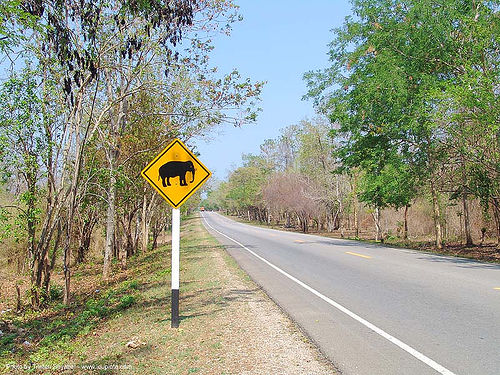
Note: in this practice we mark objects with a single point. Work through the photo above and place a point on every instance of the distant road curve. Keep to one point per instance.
(375, 310)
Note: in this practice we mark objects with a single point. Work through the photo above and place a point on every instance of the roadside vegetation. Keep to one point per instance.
(123, 326)
(406, 145)
(91, 91)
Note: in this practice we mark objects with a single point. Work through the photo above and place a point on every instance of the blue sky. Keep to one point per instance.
(277, 41)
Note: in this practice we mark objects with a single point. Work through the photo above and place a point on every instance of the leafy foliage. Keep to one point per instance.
(412, 88)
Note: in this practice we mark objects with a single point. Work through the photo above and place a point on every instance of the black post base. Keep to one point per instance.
(175, 308)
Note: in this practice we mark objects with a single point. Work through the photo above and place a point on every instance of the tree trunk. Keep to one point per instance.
(157, 228)
(117, 126)
(336, 220)
(85, 238)
(356, 220)
(124, 249)
(110, 228)
(36, 260)
(50, 266)
(405, 229)
(144, 223)
(496, 214)
(79, 145)
(437, 217)
(376, 219)
(468, 236)
(128, 247)
(18, 303)
(155, 241)
(303, 223)
(137, 234)
(66, 266)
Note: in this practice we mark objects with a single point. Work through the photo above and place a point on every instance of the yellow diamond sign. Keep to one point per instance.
(176, 173)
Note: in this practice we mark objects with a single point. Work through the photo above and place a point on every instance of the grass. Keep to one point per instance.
(93, 334)
(46, 337)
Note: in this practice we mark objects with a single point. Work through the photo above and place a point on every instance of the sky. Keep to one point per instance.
(277, 41)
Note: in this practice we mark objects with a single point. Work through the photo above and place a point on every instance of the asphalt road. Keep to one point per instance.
(375, 310)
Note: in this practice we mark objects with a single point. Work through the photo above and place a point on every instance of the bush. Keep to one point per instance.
(128, 285)
(96, 308)
(126, 301)
(55, 292)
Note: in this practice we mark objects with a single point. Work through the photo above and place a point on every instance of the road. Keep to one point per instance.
(375, 310)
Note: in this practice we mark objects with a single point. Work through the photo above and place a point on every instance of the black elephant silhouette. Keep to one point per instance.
(174, 169)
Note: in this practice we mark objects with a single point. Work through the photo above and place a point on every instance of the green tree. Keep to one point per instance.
(14, 18)
(25, 151)
(244, 187)
(391, 64)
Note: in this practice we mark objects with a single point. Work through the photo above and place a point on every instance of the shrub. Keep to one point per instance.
(55, 292)
(127, 301)
(129, 284)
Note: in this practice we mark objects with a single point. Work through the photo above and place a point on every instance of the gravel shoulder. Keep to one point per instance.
(262, 338)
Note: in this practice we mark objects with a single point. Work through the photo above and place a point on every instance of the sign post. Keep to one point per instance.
(168, 173)
(176, 233)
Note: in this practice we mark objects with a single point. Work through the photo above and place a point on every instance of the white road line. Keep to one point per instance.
(421, 357)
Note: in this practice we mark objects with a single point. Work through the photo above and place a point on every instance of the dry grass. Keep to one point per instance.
(228, 325)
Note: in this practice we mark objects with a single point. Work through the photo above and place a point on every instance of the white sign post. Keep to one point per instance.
(176, 233)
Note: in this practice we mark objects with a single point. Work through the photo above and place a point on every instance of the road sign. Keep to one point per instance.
(176, 173)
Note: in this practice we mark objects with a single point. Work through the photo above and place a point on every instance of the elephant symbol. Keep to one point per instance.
(174, 169)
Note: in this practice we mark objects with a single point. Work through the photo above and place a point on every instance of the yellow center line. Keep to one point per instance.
(496, 288)
(358, 255)
(299, 241)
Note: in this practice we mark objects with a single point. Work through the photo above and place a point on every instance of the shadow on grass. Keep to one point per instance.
(195, 250)
(243, 295)
(191, 306)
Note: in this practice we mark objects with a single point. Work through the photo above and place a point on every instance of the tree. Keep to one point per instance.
(390, 67)
(289, 194)
(244, 187)
(281, 152)
(315, 160)
(25, 136)
(93, 59)
(391, 186)
(14, 17)
(469, 106)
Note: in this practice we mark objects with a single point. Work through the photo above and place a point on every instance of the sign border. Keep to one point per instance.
(182, 201)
